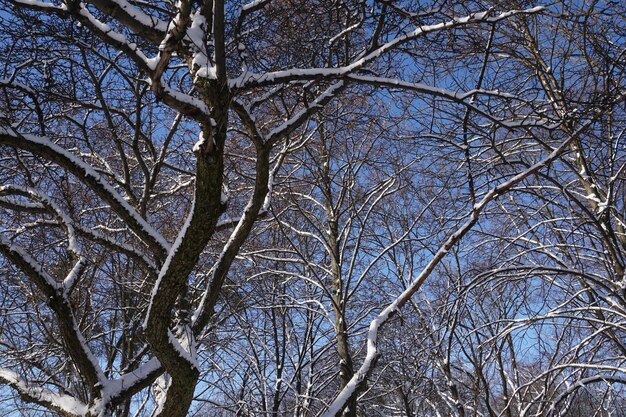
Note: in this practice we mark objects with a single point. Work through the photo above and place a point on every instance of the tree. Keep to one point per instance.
(199, 201)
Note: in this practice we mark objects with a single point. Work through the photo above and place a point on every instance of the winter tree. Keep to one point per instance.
(312, 208)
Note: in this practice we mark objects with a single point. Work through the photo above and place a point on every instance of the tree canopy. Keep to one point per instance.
(312, 208)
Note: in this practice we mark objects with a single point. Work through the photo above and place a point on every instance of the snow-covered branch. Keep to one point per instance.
(44, 147)
(61, 403)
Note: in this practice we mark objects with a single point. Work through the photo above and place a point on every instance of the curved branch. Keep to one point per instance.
(64, 404)
(148, 27)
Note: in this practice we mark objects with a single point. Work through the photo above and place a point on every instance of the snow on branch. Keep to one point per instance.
(35, 194)
(185, 103)
(20, 205)
(137, 20)
(30, 265)
(10, 82)
(248, 80)
(257, 203)
(196, 35)
(113, 38)
(73, 248)
(62, 403)
(44, 147)
(56, 297)
(40, 5)
(147, 26)
(86, 232)
(171, 254)
(130, 250)
(254, 5)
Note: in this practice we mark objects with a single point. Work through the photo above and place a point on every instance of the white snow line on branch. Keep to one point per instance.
(41, 4)
(116, 36)
(65, 403)
(170, 255)
(141, 17)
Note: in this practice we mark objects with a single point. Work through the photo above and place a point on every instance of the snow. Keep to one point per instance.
(63, 289)
(102, 379)
(330, 92)
(226, 219)
(152, 62)
(198, 311)
(510, 13)
(196, 34)
(270, 186)
(343, 32)
(252, 4)
(70, 280)
(184, 98)
(370, 357)
(24, 87)
(593, 198)
(114, 388)
(225, 196)
(189, 355)
(41, 4)
(340, 71)
(209, 72)
(125, 247)
(141, 17)
(67, 221)
(25, 204)
(453, 95)
(171, 27)
(199, 142)
(161, 385)
(384, 315)
(127, 380)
